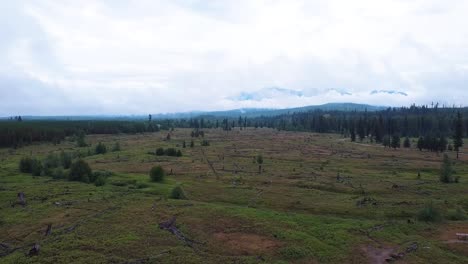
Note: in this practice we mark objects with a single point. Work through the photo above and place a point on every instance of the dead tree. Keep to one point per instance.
(170, 226)
(48, 230)
(21, 199)
(34, 250)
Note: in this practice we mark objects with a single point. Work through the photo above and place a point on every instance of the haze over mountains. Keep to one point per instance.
(249, 112)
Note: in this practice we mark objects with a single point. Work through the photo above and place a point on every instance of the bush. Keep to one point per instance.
(457, 214)
(157, 174)
(179, 153)
(65, 159)
(429, 214)
(26, 164)
(116, 147)
(178, 193)
(100, 148)
(58, 173)
(51, 162)
(205, 143)
(80, 139)
(142, 185)
(100, 180)
(80, 171)
(99, 173)
(36, 168)
(160, 152)
(171, 152)
(292, 252)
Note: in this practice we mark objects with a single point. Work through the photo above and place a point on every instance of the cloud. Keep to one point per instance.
(113, 57)
(266, 93)
(389, 92)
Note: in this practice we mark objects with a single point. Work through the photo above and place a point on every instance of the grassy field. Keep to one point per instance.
(318, 199)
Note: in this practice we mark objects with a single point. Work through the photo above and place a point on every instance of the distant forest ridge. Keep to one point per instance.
(249, 112)
(376, 124)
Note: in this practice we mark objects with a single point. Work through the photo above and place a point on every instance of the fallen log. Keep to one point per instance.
(393, 257)
(48, 230)
(34, 250)
(170, 226)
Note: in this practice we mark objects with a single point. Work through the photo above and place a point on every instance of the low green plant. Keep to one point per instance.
(429, 214)
(178, 193)
(157, 174)
(100, 180)
(457, 214)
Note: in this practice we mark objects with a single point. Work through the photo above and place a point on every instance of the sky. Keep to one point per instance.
(147, 56)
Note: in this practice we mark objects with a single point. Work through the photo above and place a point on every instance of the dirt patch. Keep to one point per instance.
(378, 255)
(448, 232)
(448, 236)
(246, 243)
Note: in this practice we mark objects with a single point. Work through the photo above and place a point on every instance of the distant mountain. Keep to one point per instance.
(249, 112)
(253, 112)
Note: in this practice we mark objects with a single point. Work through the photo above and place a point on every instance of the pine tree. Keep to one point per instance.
(446, 171)
(407, 143)
(395, 141)
(420, 143)
(353, 134)
(458, 137)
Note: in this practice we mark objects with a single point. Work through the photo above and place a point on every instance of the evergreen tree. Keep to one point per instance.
(353, 134)
(157, 174)
(361, 129)
(100, 148)
(80, 171)
(386, 141)
(420, 143)
(407, 143)
(395, 141)
(458, 136)
(446, 171)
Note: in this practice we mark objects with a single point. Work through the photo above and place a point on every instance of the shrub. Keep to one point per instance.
(457, 214)
(179, 153)
(205, 143)
(100, 180)
(259, 159)
(116, 147)
(51, 162)
(58, 173)
(80, 139)
(65, 159)
(157, 174)
(36, 168)
(99, 173)
(26, 164)
(80, 171)
(292, 252)
(429, 214)
(178, 193)
(100, 148)
(160, 152)
(142, 185)
(171, 152)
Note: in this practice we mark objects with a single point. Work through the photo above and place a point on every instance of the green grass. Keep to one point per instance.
(294, 211)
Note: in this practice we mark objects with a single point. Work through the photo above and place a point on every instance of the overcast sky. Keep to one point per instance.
(139, 57)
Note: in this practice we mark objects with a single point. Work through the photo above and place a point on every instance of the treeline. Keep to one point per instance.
(414, 121)
(17, 134)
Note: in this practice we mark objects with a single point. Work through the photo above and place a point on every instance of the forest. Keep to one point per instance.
(424, 122)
